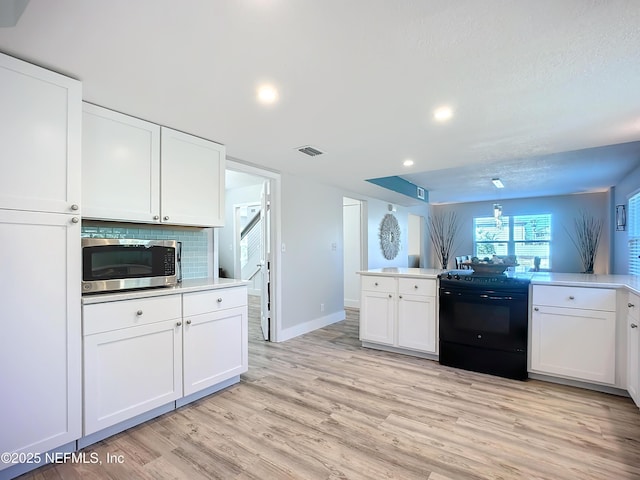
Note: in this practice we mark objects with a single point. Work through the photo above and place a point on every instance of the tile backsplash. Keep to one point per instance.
(197, 248)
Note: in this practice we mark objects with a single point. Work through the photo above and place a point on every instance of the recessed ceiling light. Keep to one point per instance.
(497, 182)
(442, 114)
(267, 94)
(408, 162)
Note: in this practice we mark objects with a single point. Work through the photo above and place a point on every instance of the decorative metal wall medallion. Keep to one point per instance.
(389, 236)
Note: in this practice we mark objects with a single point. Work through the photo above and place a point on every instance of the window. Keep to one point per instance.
(525, 236)
(633, 224)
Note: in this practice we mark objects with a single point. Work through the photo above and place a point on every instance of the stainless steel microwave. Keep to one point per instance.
(121, 264)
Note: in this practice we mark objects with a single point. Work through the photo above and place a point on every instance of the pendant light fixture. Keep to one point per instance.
(497, 214)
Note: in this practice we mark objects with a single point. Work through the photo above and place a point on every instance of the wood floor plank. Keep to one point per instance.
(322, 407)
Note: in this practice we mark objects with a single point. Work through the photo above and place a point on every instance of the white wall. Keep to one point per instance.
(564, 256)
(312, 272)
(627, 187)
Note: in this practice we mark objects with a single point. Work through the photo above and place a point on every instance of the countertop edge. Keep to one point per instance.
(187, 286)
(630, 282)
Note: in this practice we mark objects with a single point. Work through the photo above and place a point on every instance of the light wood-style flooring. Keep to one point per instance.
(321, 407)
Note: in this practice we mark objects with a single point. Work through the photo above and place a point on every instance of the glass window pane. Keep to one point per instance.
(532, 227)
(485, 229)
(491, 248)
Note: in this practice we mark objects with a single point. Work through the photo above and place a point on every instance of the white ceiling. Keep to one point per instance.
(359, 79)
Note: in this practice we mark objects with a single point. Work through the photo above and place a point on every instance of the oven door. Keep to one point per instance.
(485, 318)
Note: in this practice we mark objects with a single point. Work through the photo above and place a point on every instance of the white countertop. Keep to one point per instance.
(631, 282)
(187, 286)
(404, 272)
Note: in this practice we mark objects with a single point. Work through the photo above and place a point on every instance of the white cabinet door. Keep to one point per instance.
(130, 371)
(215, 348)
(40, 344)
(40, 125)
(377, 317)
(417, 323)
(633, 348)
(192, 180)
(120, 166)
(574, 343)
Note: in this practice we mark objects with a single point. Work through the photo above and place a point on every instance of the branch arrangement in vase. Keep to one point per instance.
(586, 238)
(443, 230)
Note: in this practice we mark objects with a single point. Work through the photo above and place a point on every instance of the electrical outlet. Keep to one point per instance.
(322, 307)
(283, 247)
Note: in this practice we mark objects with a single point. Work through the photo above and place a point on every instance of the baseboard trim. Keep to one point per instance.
(297, 330)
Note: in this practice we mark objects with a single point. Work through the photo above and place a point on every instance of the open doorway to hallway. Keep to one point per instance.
(354, 241)
(244, 245)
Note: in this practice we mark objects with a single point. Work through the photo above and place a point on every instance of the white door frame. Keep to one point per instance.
(276, 239)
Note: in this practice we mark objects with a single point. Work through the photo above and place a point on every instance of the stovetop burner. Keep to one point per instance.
(473, 279)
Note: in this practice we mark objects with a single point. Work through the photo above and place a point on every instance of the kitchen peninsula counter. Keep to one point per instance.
(404, 272)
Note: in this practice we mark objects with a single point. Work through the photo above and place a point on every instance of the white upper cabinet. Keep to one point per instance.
(120, 166)
(137, 171)
(40, 122)
(192, 180)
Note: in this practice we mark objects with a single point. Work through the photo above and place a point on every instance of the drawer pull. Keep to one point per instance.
(400, 296)
(415, 286)
(188, 322)
(633, 325)
(571, 297)
(390, 296)
(139, 313)
(165, 218)
(536, 309)
(219, 300)
(376, 284)
(179, 324)
(630, 305)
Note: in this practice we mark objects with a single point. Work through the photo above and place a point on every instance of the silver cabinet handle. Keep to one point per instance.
(633, 325)
(219, 300)
(536, 309)
(156, 217)
(571, 297)
(630, 305)
(415, 286)
(139, 313)
(390, 296)
(376, 284)
(75, 207)
(75, 220)
(179, 324)
(188, 322)
(399, 296)
(166, 217)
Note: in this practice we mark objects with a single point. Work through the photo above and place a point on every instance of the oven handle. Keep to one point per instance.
(484, 296)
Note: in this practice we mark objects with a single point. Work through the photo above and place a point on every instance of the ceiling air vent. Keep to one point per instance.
(309, 150)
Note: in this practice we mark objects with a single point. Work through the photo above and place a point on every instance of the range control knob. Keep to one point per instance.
(456, 276)
(449, 276)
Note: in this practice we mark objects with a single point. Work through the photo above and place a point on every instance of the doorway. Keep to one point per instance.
(244, 244)
(415, 241)
(352, 228)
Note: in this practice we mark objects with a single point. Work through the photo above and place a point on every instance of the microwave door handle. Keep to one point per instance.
(179, 260)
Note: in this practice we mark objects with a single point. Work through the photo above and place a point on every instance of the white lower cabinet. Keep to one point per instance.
(215, 337)
(570, 341)
(399, 312)
(633, 348)
(142, 354)
(132, 359)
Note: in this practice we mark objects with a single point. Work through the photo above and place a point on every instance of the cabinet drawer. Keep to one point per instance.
(633, 306)
(417, 286)
(197, 303)
(105, 317)
(575, 297)
(381, 284)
